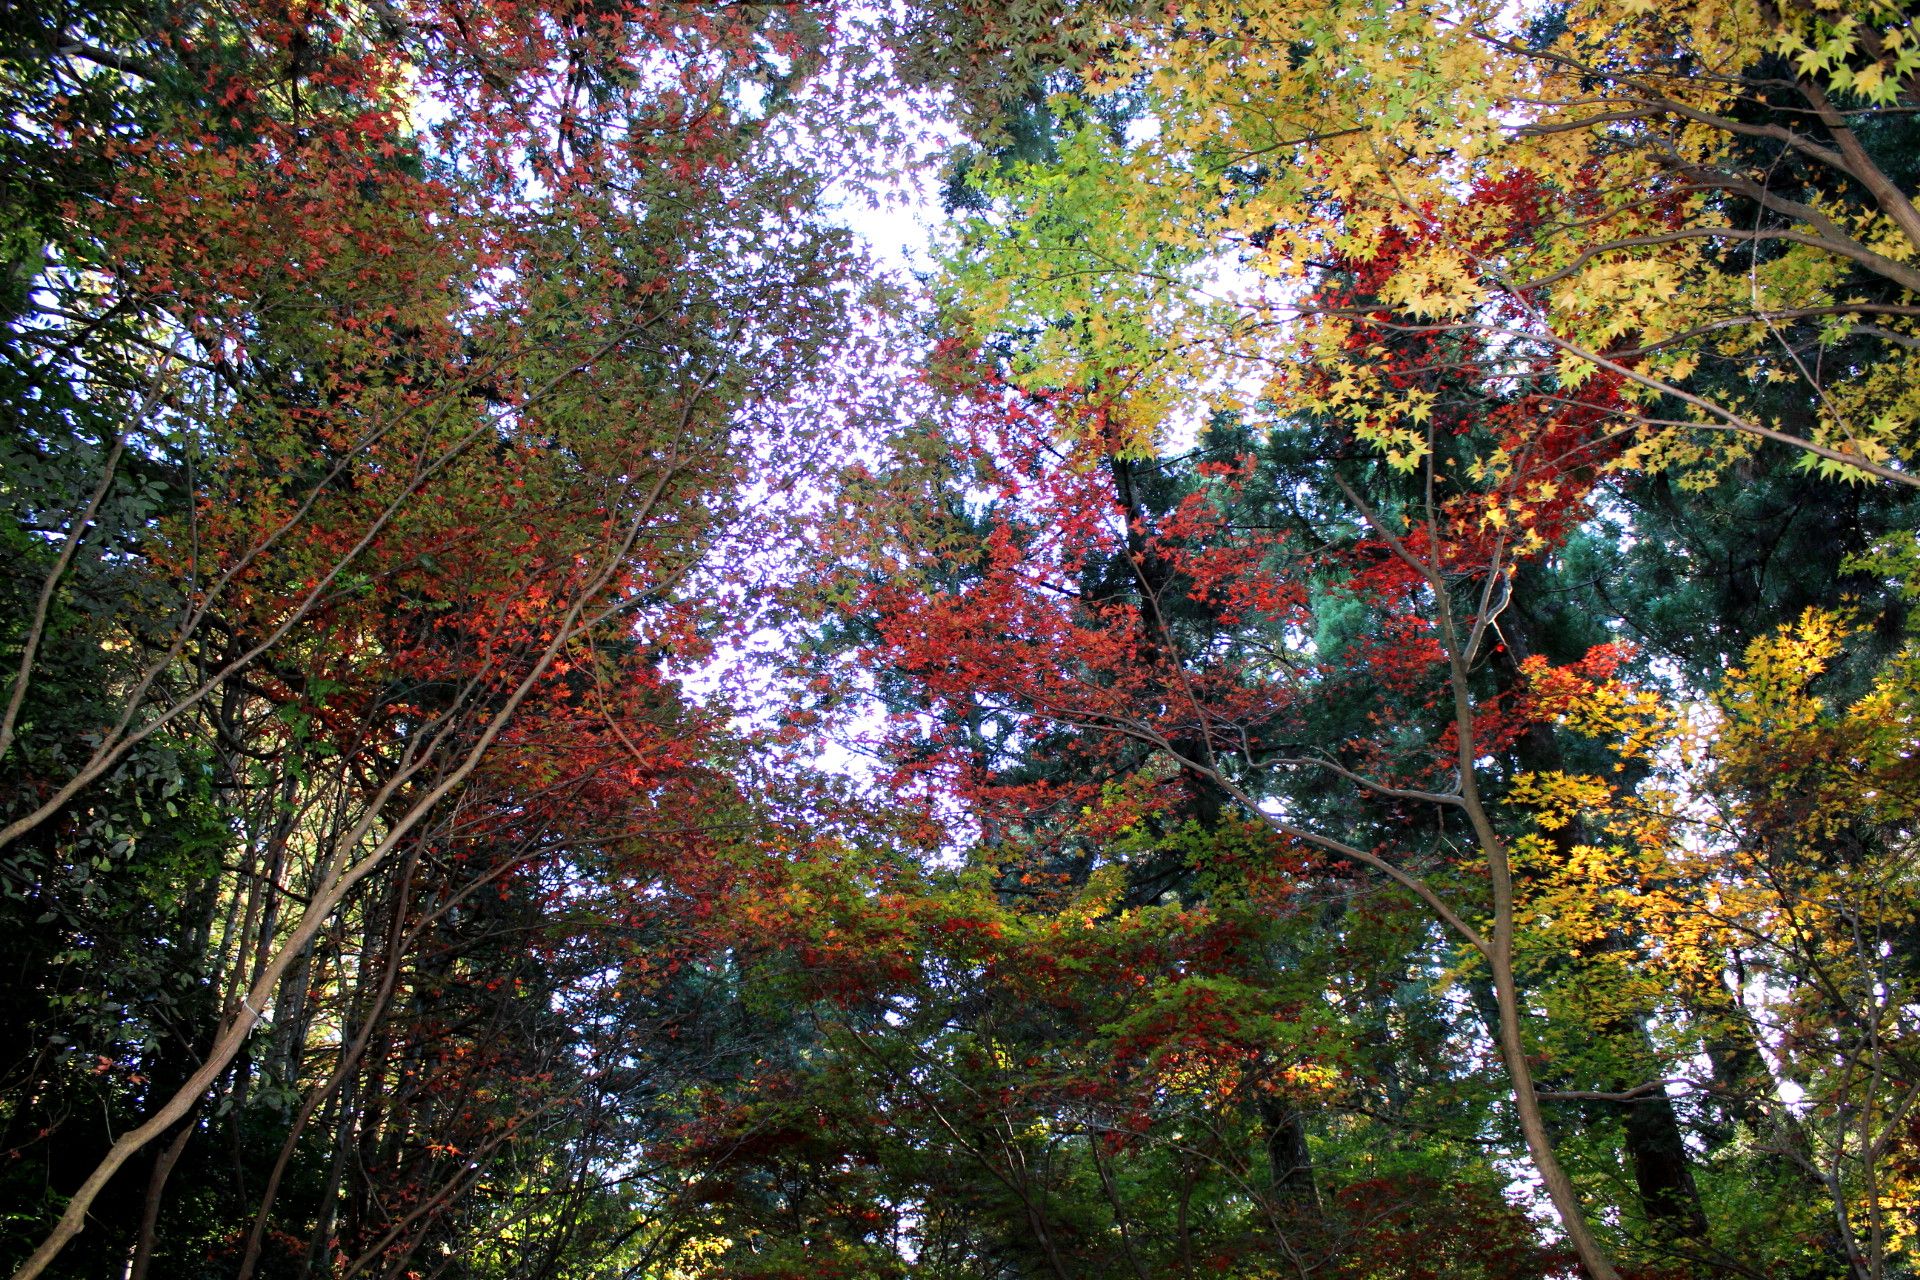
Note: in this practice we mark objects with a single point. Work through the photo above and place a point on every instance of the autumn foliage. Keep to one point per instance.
(1326, 689)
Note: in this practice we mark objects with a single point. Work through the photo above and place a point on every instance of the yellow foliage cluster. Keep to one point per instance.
(1603, 187)
(1764, 866)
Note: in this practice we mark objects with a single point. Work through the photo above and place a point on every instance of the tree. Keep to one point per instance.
(364, 469)
(1681, 195)
(1521, 259)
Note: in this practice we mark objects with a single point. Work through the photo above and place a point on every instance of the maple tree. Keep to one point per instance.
(1116, 668)
(1538, 263)
(1066, 658)
(1679, 194)
(382, 378)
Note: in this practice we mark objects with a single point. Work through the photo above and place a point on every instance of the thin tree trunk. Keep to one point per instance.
(156, 1192)
(1655, 1147)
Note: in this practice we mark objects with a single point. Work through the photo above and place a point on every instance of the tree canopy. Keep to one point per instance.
(1326, 689)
